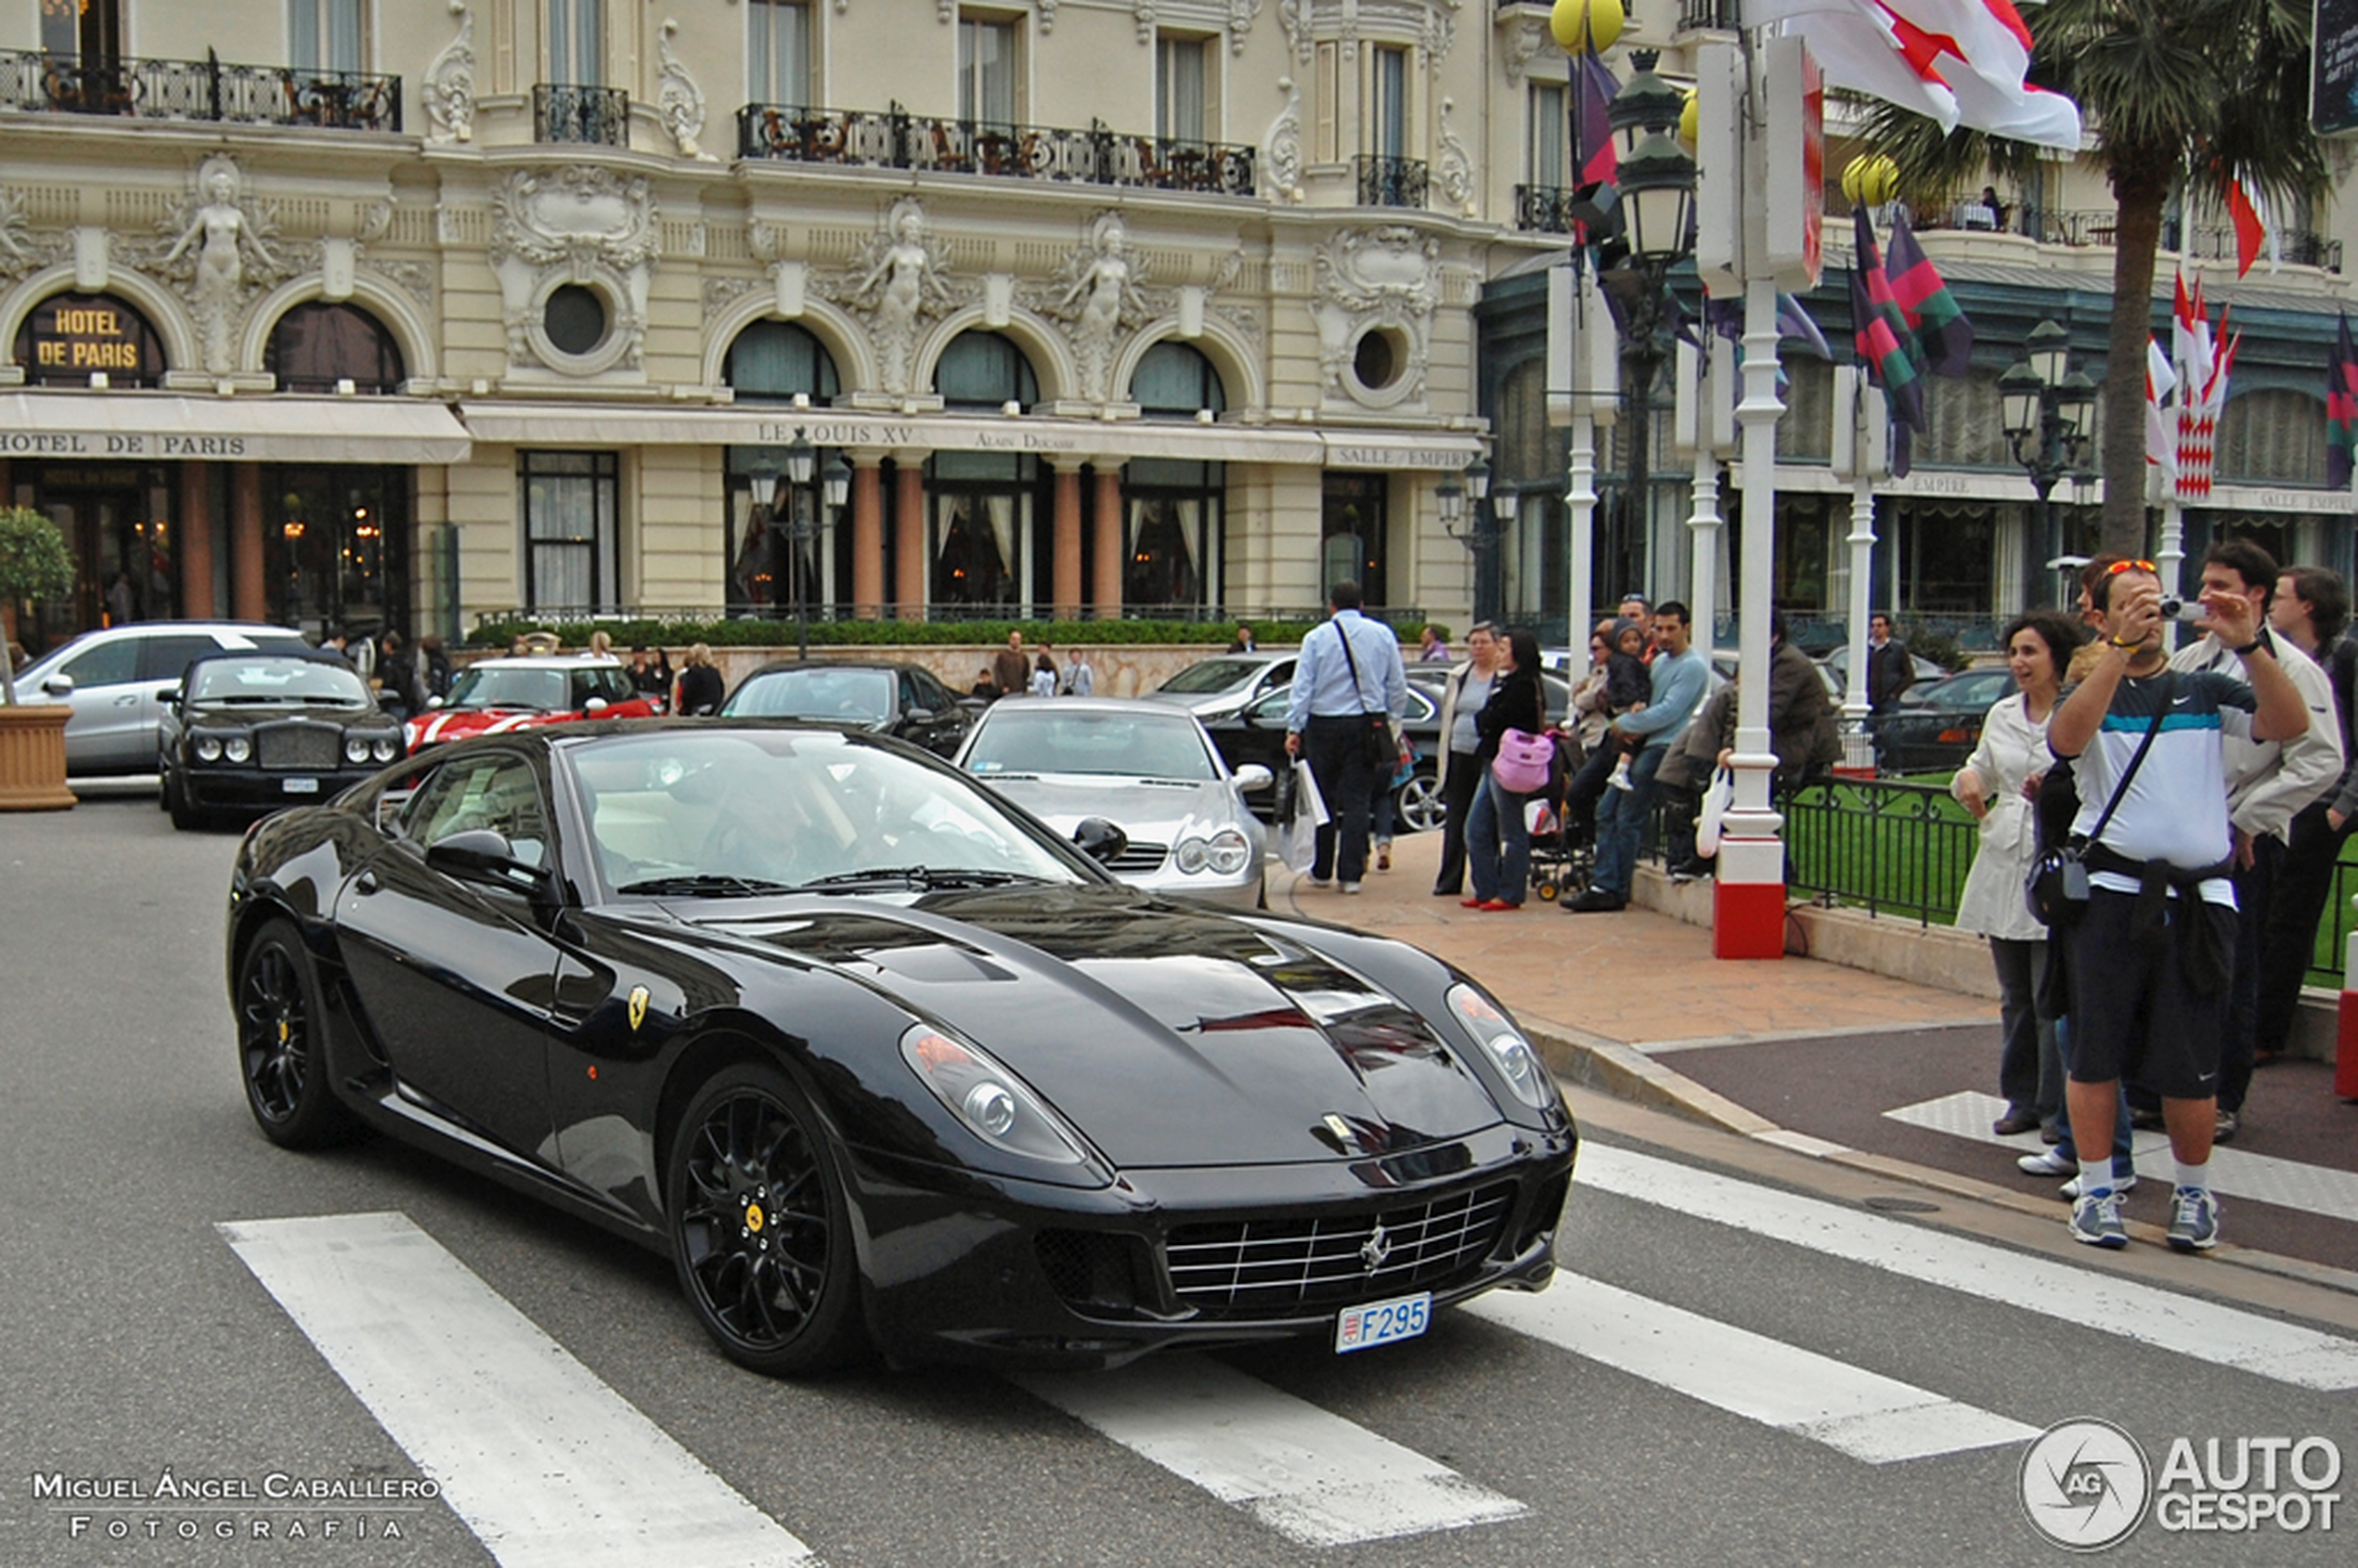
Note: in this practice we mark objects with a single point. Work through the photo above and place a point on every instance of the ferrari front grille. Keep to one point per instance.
(1277, 1267)
(313, 747)
(1138, 859)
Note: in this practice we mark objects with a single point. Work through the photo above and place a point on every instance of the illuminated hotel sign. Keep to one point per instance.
(72, 335)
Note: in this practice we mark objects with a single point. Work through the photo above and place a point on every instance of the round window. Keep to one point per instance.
(574, 320)
(1376, 360)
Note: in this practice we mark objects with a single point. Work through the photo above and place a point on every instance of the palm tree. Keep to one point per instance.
(2172, 93)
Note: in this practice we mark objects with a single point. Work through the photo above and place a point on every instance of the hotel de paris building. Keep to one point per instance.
(407, 312)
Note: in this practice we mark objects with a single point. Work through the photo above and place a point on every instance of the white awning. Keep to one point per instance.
(1072, 440)
(148, 427)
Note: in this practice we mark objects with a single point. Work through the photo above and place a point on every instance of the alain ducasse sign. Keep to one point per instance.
(72, 337)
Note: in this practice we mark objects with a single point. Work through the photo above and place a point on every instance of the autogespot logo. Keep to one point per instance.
(2085, 1485)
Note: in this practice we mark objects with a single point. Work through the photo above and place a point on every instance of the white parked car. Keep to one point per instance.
(115, 680)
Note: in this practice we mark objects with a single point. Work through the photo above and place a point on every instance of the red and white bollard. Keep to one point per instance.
(2346, 1030)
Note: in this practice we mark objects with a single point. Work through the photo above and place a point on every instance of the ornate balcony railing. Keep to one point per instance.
(1390, 181)
(1697, 16)
(2098, 226)
(599, 116)
(200, 90)
(1544, 209)
(894, 138)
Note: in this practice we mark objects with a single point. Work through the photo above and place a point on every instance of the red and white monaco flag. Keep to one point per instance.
(1963, 63)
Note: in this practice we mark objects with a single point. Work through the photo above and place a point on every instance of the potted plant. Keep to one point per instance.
(34, 564)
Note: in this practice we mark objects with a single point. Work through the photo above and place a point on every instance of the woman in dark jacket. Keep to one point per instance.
(1497, 836)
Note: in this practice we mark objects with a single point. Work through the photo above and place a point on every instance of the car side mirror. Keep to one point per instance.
(172, 695)
(1099, 839)
(59, 685)
(435, 701)
(595, 704)
(1252, 778)
(919, 715)
(482, 854)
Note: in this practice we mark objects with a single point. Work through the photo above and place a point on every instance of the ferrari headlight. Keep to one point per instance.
(1191, 856)
(237, 749)
(1230, 852)
(356, 749)
(1505, 1045)
(992, 1102)
(384, 748)
(208, 749)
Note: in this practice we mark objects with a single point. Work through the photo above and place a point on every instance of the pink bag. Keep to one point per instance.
(1523, 762)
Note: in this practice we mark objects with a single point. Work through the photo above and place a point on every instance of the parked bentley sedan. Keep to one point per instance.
(1145, 766)
(252, 732)
(492, 696)
(879, 1061)
(907, 701)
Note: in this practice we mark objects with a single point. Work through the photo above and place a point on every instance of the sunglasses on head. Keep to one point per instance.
(2120, 567)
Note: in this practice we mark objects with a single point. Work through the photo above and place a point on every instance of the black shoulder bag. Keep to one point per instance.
(2056, 890)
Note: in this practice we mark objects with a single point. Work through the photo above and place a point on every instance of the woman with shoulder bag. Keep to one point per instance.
(1998, 784)
(1514, 756)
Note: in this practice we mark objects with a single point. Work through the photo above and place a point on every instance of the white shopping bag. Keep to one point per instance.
(1306, 794)
(1715, 801)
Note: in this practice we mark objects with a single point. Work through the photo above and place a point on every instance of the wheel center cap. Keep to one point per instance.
(754, 1219)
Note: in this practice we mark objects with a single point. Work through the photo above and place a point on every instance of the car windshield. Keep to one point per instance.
(1051, 738)
(705, 810)
(268, 679)
(1211, 676)
(862, 696)
(494, 683)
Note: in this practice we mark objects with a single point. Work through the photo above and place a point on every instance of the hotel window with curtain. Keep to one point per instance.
(570, 501)
(1388, 127)
(986, 71)
(326, 34)
(778, 53)
(1181, 74)
(576, 42)
(1551, 159)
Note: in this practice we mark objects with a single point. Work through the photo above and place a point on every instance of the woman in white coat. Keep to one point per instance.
(1998, 784)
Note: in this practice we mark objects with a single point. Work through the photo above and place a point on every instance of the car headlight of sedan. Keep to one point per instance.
(1505, 1045)
(207, 748)
(356, 749)
(1224, 853)
(994, 1104)
(237, 749)
(384, 748)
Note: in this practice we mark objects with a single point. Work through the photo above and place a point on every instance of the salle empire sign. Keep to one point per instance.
(78, 338)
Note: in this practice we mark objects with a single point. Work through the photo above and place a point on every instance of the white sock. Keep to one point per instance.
(2194, 1175)
(2095, 1176)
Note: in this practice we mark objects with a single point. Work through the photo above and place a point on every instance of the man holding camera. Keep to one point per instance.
(2268, 782)
(2153, 953)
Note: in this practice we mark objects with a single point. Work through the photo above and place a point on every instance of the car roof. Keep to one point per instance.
(305, 652)
(1134, 707)
(552, 661)
(788, 667)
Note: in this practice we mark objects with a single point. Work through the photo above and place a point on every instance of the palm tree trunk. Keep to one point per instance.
(2136, 238)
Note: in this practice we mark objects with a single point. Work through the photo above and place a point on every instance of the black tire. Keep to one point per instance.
(760, 1234)
(281, 1043)
(184, 816)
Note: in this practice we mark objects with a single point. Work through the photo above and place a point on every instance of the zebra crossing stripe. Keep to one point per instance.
(2219, 1335)
(1306, 1473)
(547, 1465)
(1862, 1414)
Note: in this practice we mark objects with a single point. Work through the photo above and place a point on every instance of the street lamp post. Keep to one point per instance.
(2045, 408)
(1484, 530)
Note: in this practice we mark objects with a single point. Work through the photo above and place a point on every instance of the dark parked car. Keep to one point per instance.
(253, 732)
(906, 701)
(1934, 725)
(1258, 734)
(878, 1060)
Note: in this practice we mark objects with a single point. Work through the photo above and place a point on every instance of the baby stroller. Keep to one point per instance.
(1562, 843)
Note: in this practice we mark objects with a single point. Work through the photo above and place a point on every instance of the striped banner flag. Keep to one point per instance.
(2341, 411)
(1883, 343)
(1944, 337)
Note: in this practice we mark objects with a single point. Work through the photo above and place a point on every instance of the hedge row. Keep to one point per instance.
(627, 634)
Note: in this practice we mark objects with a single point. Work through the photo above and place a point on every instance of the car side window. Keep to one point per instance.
(167, 658)
(109, 664)
(498, 792)
(911, 696)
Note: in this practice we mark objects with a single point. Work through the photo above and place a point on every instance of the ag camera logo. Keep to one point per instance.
(2085, 1485)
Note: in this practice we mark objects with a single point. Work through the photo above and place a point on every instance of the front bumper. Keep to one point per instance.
(221, 787)
(974, 1269)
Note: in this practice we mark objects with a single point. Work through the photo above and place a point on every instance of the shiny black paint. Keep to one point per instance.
(492, 1026)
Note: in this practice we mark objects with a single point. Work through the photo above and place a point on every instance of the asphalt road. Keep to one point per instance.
(1708, 1412)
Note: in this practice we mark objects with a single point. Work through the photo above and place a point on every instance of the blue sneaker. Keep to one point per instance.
(2095, 1219)
(2194, 1221)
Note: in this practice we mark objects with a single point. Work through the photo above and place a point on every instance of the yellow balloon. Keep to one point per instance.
(1870, 179)
(1586, 26)
(1689, 120)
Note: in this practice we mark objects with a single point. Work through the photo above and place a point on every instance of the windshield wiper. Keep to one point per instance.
(906, 875)
(979, 878)
(716, 885)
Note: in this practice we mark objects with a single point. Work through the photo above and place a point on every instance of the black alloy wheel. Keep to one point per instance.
(760, 1233)
(280, 1055)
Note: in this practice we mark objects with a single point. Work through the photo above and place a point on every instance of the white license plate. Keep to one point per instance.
(1379, 1323)
(299, 786)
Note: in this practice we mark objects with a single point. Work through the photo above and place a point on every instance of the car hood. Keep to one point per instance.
(215, 715)
(1150, 813)
(1170, 1034)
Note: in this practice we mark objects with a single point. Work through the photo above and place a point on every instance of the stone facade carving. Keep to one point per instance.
(1281, 147)
(1207, 15)
(1454, 167)
(1376, 279)
(449, 87)
(578, 224)
(1432, 23)
(679, 99)
(1096, 293)
(415, 278)
(23, 251)
(900, 280)
(1525, 37)
(721, 292)
(220, 254)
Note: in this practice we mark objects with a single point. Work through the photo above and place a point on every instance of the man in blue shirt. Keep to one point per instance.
(1679, 674)
(1348, 680)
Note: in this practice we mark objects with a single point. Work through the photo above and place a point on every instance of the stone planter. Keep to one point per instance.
(33, 756)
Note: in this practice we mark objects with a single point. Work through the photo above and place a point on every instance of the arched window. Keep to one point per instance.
(1174, 381)
(317, 345)
(69, 338)
(771, 361)
(985, 370)
(2272, 436)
